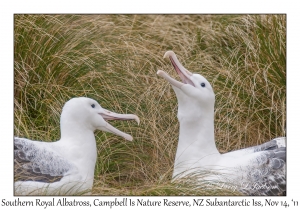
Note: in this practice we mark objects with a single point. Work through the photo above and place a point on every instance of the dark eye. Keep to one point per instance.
(202, 84)
(93, 105)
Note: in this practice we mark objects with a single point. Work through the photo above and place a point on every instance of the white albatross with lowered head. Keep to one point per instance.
(258, 170)
(65, 167)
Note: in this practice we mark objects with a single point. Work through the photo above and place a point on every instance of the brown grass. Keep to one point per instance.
(114, 59)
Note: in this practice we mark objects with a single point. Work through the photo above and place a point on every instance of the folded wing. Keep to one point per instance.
(38, 161)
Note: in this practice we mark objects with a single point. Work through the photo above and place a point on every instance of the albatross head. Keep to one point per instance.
(195, 95)
(88, 113)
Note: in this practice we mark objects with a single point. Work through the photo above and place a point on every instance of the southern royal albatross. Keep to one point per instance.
(65, 166)
(258, 170)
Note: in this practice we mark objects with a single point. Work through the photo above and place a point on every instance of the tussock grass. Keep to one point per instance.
(114, 59)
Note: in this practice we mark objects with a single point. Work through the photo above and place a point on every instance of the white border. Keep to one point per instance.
(8, 8)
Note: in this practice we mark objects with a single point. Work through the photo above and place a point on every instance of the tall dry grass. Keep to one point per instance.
(114, 59)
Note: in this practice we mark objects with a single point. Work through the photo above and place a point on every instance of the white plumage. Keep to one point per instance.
(67, 165)
(258, 170)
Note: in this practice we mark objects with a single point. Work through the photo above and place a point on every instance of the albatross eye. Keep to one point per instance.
(93, 105)
(202, 84)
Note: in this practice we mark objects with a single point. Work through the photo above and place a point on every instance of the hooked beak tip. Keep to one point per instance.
(159, 72)
(168, 54)
(137, 119)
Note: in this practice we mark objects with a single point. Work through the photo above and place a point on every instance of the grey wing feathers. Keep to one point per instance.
(271, 145)
(38, 163)
(267, 172)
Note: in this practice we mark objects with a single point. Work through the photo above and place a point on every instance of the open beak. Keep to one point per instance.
(169, 79)
(183, 73)
(108, 115)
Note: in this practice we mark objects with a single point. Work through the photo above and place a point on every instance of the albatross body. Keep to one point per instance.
(258, 170)
(67, 165)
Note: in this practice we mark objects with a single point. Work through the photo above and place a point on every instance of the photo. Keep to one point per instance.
(150, 104)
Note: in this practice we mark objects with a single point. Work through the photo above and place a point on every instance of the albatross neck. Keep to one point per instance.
(196, 141)
(79, 143)
(76, 132)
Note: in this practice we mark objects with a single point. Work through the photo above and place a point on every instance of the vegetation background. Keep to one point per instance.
(114, 59)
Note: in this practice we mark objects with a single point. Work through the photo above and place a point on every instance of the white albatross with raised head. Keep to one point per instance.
(66, 166)
(258, 170)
